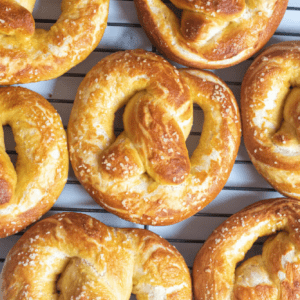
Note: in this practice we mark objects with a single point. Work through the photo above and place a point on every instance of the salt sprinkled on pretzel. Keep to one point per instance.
(145, 175)
(271, 116)
(30, 190)
(211, 34)
(273, 275)
(73, 256)
(29, 55)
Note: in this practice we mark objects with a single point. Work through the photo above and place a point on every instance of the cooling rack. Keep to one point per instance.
(245, 185)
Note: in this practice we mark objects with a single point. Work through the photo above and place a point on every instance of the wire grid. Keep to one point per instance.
(244, 186)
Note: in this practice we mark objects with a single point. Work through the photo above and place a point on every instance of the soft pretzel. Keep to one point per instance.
(211, 34)
(273, 275)
(73, 256)
(145, 175)
(271, 116)
(30, 190)
(29, 55)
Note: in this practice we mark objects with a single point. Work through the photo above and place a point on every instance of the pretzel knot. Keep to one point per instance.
(30, 190)
(73, 256)
(29, 55)
(271, 116)
(211, 34)
(273, 275)
(145, 175)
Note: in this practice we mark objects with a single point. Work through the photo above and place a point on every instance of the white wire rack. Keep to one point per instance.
(244, 186)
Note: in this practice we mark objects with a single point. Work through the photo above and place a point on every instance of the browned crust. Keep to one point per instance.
(112, 261)
(227, 47)
(49, 54)
(15, 19)
(31, 189)
(214, 265)
(112, 170)
(275, 65)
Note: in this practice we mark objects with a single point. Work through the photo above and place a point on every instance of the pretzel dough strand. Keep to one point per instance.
(271, 116)
(93, 261)
(113, 170)
(49, 54)
(42, 165)
(212, 34)
(214, 266)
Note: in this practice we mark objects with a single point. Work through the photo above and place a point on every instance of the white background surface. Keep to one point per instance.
(244, 186)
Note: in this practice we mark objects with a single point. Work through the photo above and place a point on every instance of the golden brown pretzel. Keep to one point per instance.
(271, 114)
(28, 55)
(211, 34)
(73, 256)
(145, 175)
(273, 275)
(30, 190)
